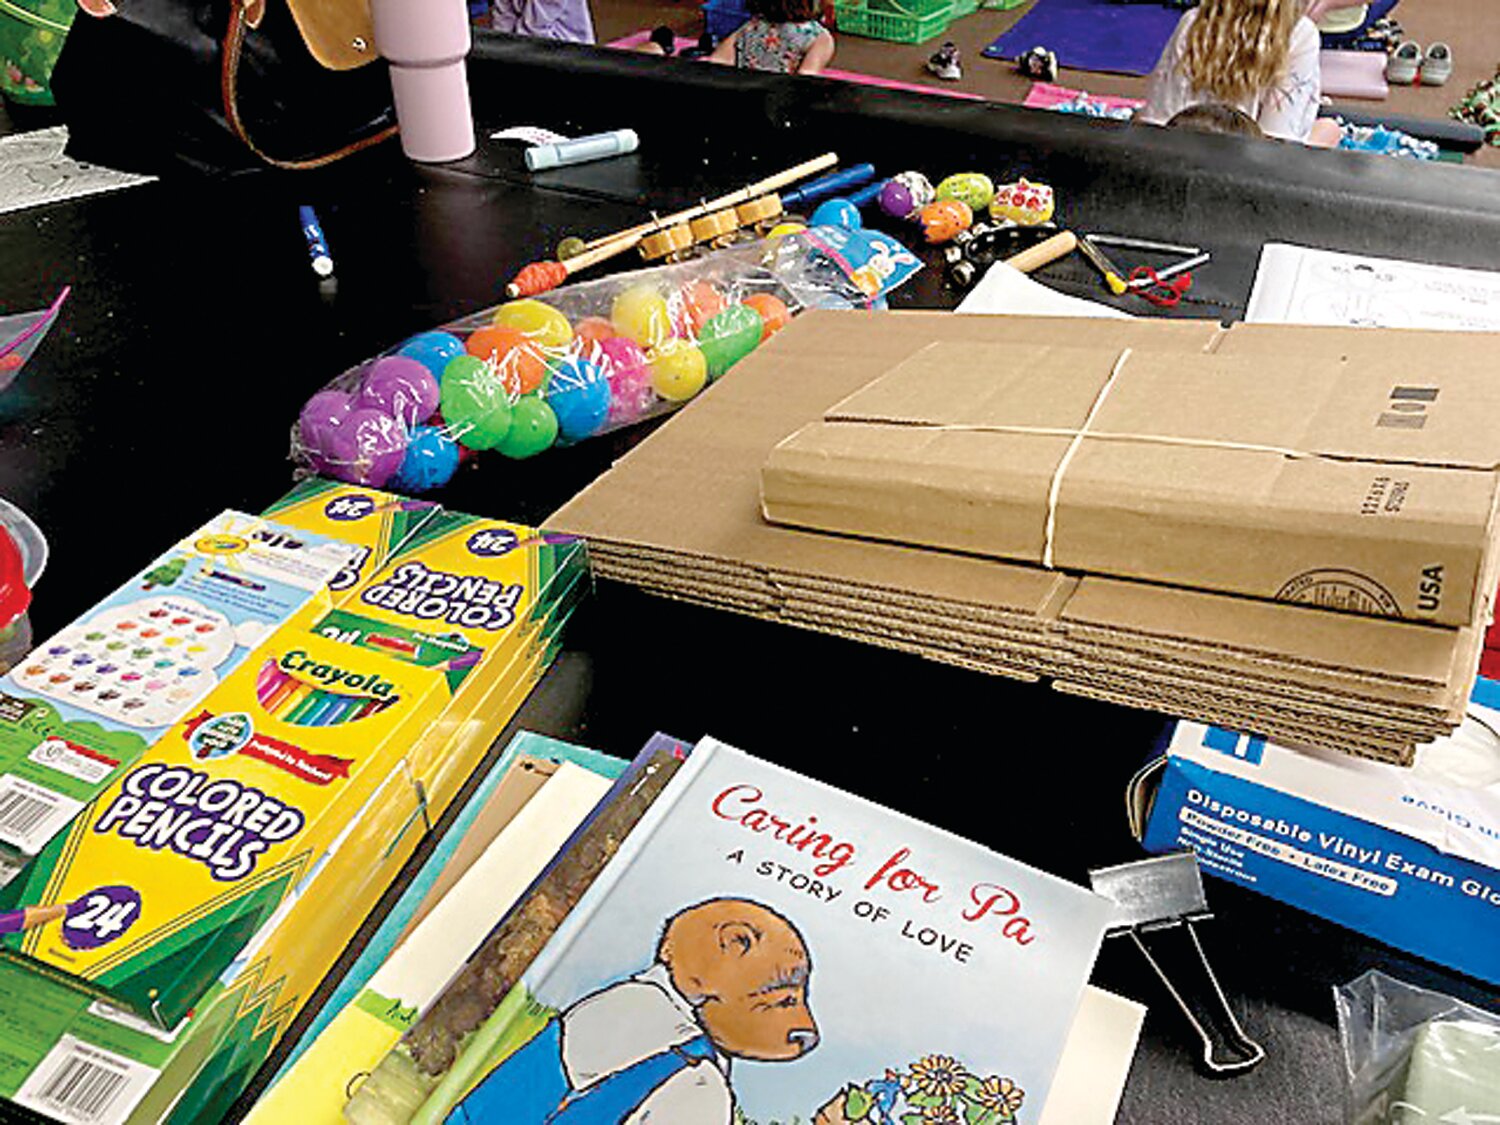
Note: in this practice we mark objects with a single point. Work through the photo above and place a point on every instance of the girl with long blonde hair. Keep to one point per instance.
(1258, 56)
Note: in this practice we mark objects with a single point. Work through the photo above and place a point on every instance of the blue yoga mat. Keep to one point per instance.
(1092, 34)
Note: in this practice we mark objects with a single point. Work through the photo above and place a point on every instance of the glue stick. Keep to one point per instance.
(600, 146)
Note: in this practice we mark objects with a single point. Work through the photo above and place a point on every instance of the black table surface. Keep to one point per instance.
(196, 330)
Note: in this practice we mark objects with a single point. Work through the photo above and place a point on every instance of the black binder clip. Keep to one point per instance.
(1157, 902)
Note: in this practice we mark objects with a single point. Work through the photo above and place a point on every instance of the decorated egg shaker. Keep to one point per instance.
(1023, 202)
(905, 194)
(974, 188)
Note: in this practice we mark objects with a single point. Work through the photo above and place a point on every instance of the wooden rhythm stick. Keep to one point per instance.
(1060, 245)
(542, 276)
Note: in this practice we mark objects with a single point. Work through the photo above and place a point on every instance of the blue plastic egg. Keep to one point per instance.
(430, 462)
(432, 350)
(837, 212)
(579, 395)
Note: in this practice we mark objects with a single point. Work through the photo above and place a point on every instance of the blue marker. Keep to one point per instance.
(317, 245)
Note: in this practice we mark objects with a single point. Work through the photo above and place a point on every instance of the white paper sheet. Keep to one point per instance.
(1096, 1061)
(33, 171)
(1004, 289)
(1300, 285)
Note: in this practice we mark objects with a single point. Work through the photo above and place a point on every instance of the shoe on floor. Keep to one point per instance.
(945, 63)
(1437, 65)
(1039, 63)
(1404, 65)
(665, 38)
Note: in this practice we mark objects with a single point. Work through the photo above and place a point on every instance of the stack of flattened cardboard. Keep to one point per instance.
(948, 507)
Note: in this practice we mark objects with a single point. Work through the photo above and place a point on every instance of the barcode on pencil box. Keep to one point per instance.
(30, 814)
(21, 813)
(85, 1085)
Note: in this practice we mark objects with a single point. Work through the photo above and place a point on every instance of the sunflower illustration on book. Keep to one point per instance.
(933, 1090)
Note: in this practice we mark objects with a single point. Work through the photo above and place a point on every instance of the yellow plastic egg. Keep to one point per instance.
(641, 314)
(678, 370)
(781, 230)
(537, 320)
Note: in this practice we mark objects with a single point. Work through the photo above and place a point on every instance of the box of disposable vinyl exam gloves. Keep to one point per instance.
(88, 702)
(1410, 856)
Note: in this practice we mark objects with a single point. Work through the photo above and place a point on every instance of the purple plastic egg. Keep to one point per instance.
(367, 447)
(896, 200)
(325, 411)
(402, 387)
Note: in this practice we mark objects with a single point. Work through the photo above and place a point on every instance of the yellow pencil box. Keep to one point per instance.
(175, 869)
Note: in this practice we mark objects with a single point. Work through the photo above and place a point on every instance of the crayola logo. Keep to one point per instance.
(221, 545)
(299, 663)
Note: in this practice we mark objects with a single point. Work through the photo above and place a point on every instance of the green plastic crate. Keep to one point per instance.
(899, 24)
(963, 8)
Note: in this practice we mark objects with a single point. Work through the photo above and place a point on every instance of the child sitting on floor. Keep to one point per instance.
(1258, 56)
(1214, 117)
(783, 36)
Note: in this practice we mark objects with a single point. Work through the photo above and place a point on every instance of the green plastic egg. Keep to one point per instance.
(730, 337)
(474, 404)
(533, 428)
(974, 188)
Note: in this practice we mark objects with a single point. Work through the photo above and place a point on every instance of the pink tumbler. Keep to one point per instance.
(425, 42)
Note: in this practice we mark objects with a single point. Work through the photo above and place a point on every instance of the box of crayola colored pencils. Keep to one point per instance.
(462, 594)
(253, 958)
(89, 701)
(69, 1043)
(375, 522)
(310, 945)
(456, 591)
(228, 815)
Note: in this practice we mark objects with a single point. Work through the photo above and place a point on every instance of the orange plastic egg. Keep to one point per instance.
(698, 303)
(772, 310)
(943, 219)
(516, 358)
(592, 329)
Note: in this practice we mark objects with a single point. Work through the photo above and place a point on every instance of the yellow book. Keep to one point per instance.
(315, 1090)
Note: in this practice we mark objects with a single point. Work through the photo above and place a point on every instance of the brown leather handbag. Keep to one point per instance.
(222, 85)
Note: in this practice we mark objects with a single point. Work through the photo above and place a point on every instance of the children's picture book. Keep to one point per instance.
(764, 949)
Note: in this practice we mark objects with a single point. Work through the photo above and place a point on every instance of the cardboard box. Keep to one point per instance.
(1112, 637)
(1308, 480)
(1408, 856)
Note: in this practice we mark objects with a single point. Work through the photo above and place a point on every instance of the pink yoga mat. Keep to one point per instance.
(1354, 74)
(632, 41)
(1044, 95)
